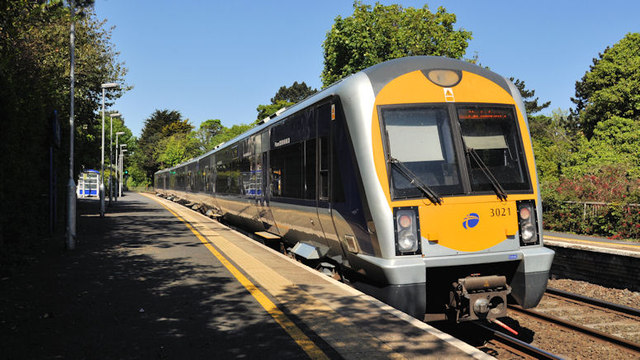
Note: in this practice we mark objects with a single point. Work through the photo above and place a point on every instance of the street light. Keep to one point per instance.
(111, 116)
(117, 168)
(101, 191)
(122, 151)
(71, 185)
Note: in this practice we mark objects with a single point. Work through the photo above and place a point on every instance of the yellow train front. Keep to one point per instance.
(453, 183)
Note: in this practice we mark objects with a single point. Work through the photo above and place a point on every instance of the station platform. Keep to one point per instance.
(592, 243)
(601, 261)
(154, 279)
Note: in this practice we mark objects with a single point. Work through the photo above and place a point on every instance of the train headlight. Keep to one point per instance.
(407, 231)
(407, 242)
(527, 222)
(445, 78)
(528, 233)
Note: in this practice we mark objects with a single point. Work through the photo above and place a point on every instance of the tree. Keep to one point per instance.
(156, 127)
(208, 129)
(285, 97)
(177, 148)
(177, 127)
(552, 145)
(294, 93)
(614, 141)
(126, 138)
(379, 33)
(530, 104)
(611, 87)
(229, 133)
(270, 109)
(34, 82)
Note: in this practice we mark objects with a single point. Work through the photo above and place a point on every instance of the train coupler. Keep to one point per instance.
(479, 297)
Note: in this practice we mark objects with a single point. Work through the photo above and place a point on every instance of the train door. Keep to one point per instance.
(324, 175)
(259, 166)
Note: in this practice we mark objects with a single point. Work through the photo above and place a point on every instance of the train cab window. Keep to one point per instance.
(492, 134)
(420, 138)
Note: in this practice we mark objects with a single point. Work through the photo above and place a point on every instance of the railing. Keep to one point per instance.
(598, 208)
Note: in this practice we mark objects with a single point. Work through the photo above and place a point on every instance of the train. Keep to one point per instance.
(413, 179)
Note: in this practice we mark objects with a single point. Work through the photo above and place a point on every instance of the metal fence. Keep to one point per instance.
(599, 208)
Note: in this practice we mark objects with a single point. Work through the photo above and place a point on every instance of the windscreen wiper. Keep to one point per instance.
(415, 180)
(502, 195)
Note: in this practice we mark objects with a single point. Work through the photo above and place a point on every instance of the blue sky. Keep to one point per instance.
(221, 59)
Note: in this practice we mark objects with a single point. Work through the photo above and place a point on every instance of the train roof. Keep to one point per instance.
(379, 75)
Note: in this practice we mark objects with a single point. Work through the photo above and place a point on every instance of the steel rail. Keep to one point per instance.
(598, 335)
(597, 302)
(519, 344)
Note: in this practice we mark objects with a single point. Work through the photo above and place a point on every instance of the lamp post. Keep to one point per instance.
(122, 151)
(117, 156)
(101, 190)
(111, 116)
(71, 187)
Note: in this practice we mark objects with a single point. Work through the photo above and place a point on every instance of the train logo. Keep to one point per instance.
(471, 221)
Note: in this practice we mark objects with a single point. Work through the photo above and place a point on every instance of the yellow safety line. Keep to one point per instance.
(602, 244)
(294, 331)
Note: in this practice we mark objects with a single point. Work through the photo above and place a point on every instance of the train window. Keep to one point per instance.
(223, 171)
(287, 171)
(324, 168)
(310, 169)
(245, 174)
(493, 134)
(205, 179)
(235, 167)
(420, 138)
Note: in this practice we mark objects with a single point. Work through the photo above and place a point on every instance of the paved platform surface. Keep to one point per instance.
(154, 280)
(592, 243)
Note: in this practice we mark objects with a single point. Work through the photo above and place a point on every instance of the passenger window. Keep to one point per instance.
(287, 171)
(324, 168)
(310, 169)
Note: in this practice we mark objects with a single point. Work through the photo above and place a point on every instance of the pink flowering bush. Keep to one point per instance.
(613, 213)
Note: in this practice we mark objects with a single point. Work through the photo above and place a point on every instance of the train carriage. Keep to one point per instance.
(415, 178)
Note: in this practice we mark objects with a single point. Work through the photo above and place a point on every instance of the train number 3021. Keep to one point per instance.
(500, 212)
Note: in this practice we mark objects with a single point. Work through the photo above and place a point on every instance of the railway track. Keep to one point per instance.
(565, 325)
(515, 346)
(596, 302)
(581, 320)
(595, 334)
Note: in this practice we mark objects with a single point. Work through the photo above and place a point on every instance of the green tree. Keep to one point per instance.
(285, 97)
(34, 81)
(530, 103)
(611, 87)
(229, 133)
(127, 138)
(177, 127)
(552, 145)
(379, 33)
(156, 127)
(177, 148)
(614, 141)
(208, 129)
(294, 93)
(270, 109)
